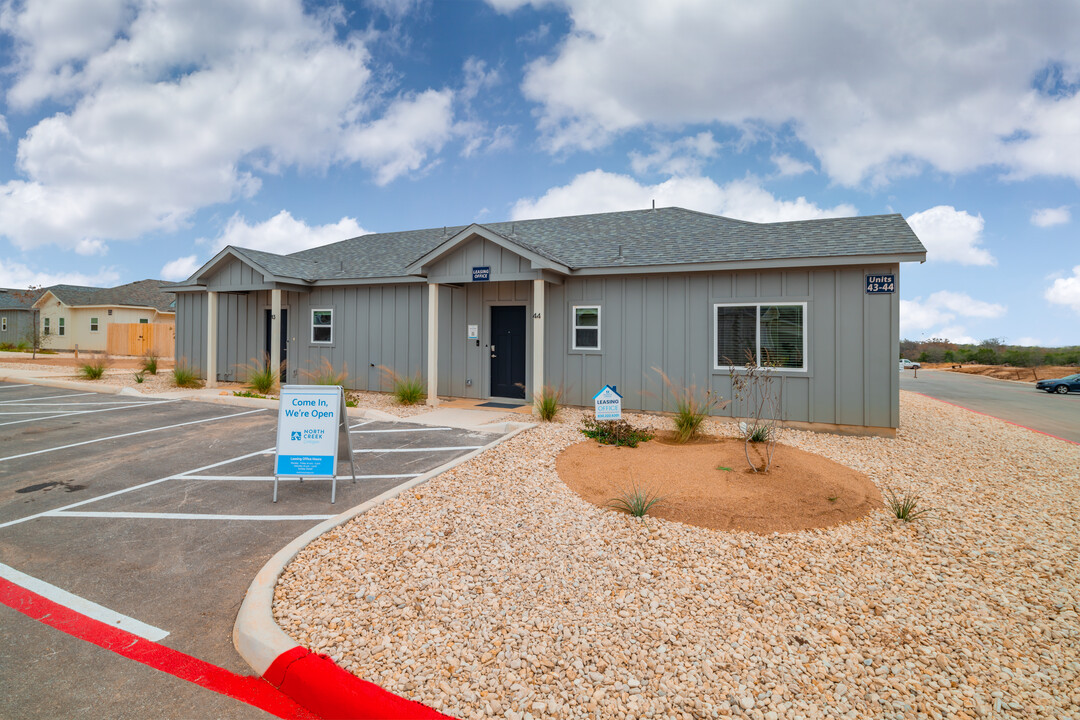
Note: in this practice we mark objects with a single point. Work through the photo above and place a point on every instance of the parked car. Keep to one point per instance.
(906, 364)
(1067, 384)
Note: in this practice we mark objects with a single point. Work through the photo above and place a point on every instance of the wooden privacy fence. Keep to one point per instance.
(141, 338)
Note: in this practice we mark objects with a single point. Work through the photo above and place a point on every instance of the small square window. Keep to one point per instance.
(586, 327)
(322, 326)
(93, 324)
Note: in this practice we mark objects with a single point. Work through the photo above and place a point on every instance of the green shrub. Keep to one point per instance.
(636, 501)
(23, 346)
(247, 393)
(6, 346)
(613, 432)
(185, 376)
(904, 507)
(260, 376)
(407, 391)
(92, 369)
(139, 378)
(547, 402)
(691, 407)
(149, 363)
(758, 434)
(326, 375)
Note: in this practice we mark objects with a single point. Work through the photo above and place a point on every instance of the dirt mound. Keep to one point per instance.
(800, 492)
(1005, 372)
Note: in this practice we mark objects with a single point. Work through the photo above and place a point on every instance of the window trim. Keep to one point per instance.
(574, 327)
(95, 326)
(45, 327)
(757, 333)
(331, 326)
(60, 327)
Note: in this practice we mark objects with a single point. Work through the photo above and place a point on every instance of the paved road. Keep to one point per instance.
(160, 511)
(1014, 401)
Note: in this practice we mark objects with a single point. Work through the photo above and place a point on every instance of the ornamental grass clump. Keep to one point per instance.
(691, 407)
(325, 374)
(636, 501)
(547, 402)
(261, 377)
(150, 363)
(185, 376)
(93, 369)
(613, 432)
(406, 390)
(905, 507)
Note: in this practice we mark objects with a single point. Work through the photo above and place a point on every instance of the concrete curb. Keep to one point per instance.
(324, 689)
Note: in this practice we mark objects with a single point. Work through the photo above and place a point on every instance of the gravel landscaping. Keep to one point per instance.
(495, 591)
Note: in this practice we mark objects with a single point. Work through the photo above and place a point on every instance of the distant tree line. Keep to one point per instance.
(993, 351)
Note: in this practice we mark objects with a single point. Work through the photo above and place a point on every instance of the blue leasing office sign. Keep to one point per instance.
(480, 274)
(880, 284)
(307, 439)
(608, 404)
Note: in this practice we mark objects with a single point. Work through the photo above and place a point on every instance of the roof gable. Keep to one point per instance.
(539, 259)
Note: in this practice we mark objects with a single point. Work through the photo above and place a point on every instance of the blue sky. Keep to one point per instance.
(137, 138)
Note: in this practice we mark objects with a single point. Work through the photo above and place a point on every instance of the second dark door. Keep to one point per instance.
(284, 338)
(508, 351)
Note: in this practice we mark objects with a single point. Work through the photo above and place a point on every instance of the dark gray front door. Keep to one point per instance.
(284, 338)
(508, 351)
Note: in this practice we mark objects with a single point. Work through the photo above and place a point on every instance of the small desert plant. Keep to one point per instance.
(140, 378)
(636, 501)
(23, 345)
(185, 376)
(613, 432)
(406, 390)
(92, 369)
(149, 363)
(351, 403)
(759, 392)
(547, 402)
(691, 407)
(758, 433)
(326, 375)
(261, 377)
(247, 393)
(904, 507)
(6, 346)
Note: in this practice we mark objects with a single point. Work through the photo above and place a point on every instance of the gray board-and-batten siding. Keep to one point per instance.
(656, 320)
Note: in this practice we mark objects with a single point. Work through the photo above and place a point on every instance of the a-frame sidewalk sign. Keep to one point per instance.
(311, 419)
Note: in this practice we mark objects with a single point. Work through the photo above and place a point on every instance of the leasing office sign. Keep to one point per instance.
(307, 439)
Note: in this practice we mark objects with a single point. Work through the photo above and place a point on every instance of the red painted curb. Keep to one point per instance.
(247, 689)
(1010, 422)
(317, 683)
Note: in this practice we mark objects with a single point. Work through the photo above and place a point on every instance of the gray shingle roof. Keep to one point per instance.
(143, 293)
(16, 299)
(665, 236)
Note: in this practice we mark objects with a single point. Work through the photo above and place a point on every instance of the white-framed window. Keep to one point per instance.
(46, 330)
(60, 326)
(772, 333)
(143, 321)
(586, 322)
(322, 326)
(3, 324)
(93, 324)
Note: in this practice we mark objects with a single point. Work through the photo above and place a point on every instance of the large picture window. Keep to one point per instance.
(770, 334)
(586, 327)
(322, 326)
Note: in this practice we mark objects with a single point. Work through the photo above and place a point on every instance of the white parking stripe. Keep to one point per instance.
(88, 412)
(12, 387)
(130, 401)
(130, 489)
(181, 516)
(130, 434)
(270, 478)
(47, 397)
(397, 430)
(420, 449)
(82, 605)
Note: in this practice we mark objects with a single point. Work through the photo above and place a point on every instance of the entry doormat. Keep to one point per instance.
(501, 405)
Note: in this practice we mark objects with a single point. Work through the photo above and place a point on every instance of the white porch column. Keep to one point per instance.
(433, 344)
(275, 330)
(211, 339)
(538, 337)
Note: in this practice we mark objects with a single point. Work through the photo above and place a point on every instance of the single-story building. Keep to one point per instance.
(16, 315)
(73, 315)
(499, 310)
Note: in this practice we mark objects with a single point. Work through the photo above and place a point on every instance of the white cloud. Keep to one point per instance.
(684, 156)
(181, 268)
(16, 275)
(932, 86)
(1048, 217)
(941, 308)
(1027, 341)
(1066, 291)
(172, 107)
(4, 127)
(284, 234)
(788, 166)
(951, 235)
(600, 191)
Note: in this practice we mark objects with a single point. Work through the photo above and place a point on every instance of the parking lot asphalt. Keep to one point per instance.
(160, 511)
(1016, 402)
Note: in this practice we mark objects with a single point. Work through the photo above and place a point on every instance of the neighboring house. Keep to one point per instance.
(72, 315)
(16, 314)
(499, 310)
